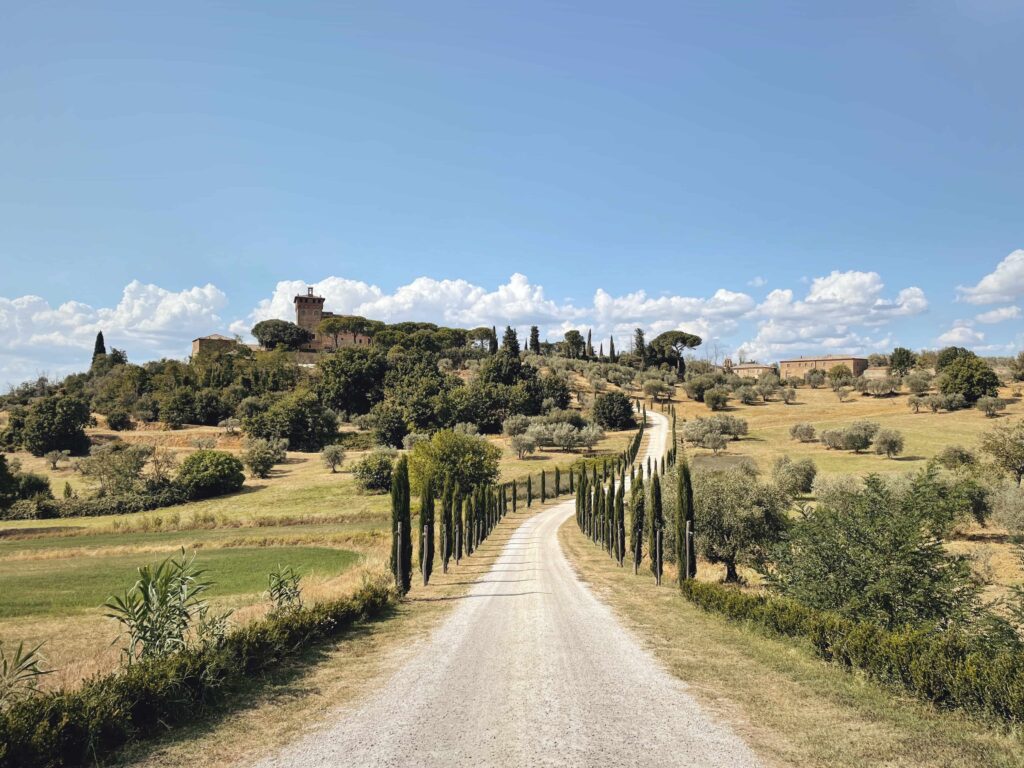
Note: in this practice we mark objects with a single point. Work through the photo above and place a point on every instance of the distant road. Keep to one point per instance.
(531, 669)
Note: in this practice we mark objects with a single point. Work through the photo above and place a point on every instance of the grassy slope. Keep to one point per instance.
(792, 708)
(55, 574)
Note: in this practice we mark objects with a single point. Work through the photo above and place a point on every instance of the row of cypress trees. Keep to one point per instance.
(468, 517)
(600, 514)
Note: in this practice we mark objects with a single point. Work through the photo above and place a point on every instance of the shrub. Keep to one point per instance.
(733, 426)
(210, 473)
(803, 432)
(1005, 444)
(794, 477)
(889, 442)
(990, 406)
(716, 398)
(917, 383)
(120, 421)
(815, 378)
(944, 668)
(833, 439)
(955, 457)
(515, 425)
(858, 436)
(697, 386)
(260, 456)
(62, 726)
(157, 610)
(613, 410)
(284, 590)
(884, 561)
(746, 395)
(413, 439)
(789, 395)
(523, 445)
(373, 471)
(332, 457)
(1008, 507)
(19, 675)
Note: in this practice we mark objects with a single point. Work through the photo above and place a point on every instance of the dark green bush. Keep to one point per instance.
(210, 473)
(614, 411)
(86, 725)
(945, 668)
(120, 420)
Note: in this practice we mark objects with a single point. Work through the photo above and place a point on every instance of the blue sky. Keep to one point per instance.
(780, 177)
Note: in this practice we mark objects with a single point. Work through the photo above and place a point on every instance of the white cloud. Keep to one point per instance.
(148, 320)
(1004, 284)
(831, 318)
(757, 282)
(998, 315)
(961, 334)
(518, 303)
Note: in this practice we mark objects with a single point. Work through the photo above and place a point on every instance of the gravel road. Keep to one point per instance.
(530, 669)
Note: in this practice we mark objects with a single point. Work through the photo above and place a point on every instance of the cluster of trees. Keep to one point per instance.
(715, 431)
(129, 478)
(565, 430)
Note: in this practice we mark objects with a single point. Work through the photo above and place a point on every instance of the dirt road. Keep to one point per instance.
(531, 669)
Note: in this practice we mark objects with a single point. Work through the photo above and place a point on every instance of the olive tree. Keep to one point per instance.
(740, 518)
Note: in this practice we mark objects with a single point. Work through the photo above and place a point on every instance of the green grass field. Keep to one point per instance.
(65, 586)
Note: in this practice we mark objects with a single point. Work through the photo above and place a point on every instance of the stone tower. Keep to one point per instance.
(309, 311)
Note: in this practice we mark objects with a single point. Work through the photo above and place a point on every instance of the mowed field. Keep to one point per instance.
(994, 553)
(55, 575)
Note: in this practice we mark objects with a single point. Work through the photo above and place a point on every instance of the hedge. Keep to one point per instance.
(48, 509)
(84, 726)
(945, 668)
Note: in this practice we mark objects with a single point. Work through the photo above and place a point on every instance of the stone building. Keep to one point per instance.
(798, 367)
(752, 370)
(215, 342)
(309, 312)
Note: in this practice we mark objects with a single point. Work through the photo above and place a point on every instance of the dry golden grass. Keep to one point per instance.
(792, 708)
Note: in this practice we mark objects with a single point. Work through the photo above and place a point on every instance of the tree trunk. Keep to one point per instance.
(731, 576)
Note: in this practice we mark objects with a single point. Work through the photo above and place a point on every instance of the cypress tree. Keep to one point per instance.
(427, 530)
(571, 489)
(457, 520)
(590, 346)
(662, 465)
(401, 527)
(510, 341)
(657, 529)
(534, 339)
(99, 347)
(467, 525)
(636, 531)
(446, 526)
(493, 341)
(529, 491)
(609, 515)
(686, 557)
(558, 483)
(620, 522)
(611, 350)
(543, 487)
(515, 496)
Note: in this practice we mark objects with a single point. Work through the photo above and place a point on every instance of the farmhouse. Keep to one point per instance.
(309, 311)
(215, 342)
(751, 369)
(798, 367)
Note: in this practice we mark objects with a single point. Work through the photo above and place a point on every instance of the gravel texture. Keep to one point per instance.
(531, 669)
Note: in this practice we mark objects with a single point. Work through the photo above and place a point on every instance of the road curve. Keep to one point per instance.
(531, 669)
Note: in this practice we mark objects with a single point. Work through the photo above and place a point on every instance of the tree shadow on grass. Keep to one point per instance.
(286, 682)
(908, 458)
